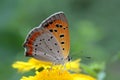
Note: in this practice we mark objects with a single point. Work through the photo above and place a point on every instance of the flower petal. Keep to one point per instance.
(82, 77)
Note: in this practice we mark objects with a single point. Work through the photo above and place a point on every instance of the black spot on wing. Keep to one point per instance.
(58, 51)
(58, 25)
(62, 42)
(55, 30)
(55, 43)
(51, 37)
(35, 49)
(36, 45)
(46, 25)
(51, 30)
(61, 35)
(61, 26)
(50, 22)
(44, 53)
(48, 39)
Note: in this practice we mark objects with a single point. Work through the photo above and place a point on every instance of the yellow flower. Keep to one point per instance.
(82, 77)
(50, 71)
(36, 64)
(57, 74)
(31, 64)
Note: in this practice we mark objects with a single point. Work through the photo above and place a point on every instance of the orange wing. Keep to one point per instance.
(58, 26)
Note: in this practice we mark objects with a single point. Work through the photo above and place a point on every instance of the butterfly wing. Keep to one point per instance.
(49, 41)
(58, 26)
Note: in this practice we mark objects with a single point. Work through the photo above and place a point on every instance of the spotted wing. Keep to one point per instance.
(57, 24)
(49, 41)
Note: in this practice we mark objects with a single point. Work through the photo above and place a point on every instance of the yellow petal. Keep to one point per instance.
(31, 64)
(57, 74)
(74, 65)
(50, 75)
(22, 66)
(36, 64)
(27, 78)
(82, 77)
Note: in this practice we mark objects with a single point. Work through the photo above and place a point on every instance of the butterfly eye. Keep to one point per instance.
(69, 58)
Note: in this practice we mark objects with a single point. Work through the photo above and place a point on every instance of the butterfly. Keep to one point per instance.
(50, 40)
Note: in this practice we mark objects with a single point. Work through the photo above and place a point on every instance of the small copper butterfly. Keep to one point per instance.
(50, 40)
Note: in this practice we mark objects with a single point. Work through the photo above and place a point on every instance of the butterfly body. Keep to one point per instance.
(50, 40)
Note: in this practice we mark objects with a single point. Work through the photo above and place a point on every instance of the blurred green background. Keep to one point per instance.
(94, 29)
